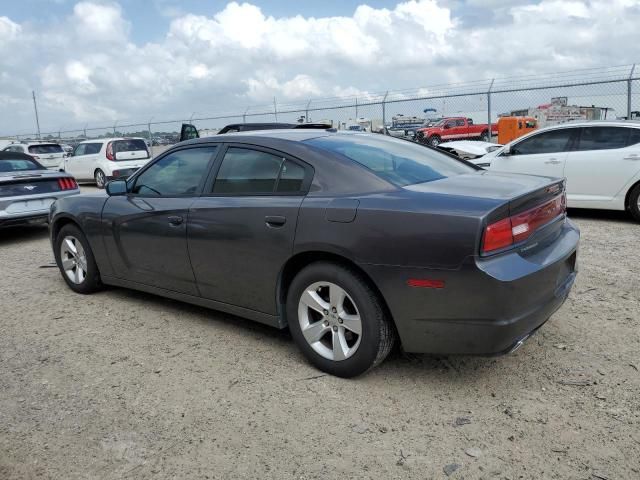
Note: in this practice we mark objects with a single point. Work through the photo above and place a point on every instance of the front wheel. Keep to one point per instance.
(75, 260)
(634, 203)
(434, 141)
(100, 178)
(337, 320)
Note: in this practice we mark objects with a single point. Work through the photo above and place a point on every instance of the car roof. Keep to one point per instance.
(279, 134)
(594, 123)
(110, 139)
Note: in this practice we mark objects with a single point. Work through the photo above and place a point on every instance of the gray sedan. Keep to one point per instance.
(27, 189)
(353, 241)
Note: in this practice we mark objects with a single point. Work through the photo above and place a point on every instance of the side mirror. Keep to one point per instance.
(507, 151)
(188, 132)
(116, 188)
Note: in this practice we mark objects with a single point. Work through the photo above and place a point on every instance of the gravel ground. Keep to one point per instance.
(128, 385)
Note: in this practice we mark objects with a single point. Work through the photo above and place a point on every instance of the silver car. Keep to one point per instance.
(27, 189)
(49, 154)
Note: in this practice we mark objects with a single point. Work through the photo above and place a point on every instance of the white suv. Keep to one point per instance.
(105, 159)
(51, 155)
(600, 160)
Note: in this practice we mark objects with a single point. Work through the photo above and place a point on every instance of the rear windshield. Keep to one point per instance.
(129, 145)
(398, 161)
(18, 165)
(42, 149)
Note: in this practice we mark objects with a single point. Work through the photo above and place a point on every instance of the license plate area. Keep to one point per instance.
(32, 205)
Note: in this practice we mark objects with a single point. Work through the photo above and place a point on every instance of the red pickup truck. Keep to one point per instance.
(455, 128)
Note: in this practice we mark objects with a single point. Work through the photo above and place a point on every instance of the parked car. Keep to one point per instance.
(49, 154)
(469, 149)
(104, 159)
(349, 239)
(455, 128)
(27, 189)
(600, 160)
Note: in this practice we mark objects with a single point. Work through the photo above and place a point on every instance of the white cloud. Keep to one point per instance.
(87, 68)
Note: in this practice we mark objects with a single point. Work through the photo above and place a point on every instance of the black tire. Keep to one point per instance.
(634, 200)
(378, 334)
(434, 140)
(100, 178)
(91, 282)
(484, 136)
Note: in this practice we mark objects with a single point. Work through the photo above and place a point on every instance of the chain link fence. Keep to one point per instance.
(587, 94)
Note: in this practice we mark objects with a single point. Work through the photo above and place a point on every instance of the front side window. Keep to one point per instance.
(249, 172)
(603, 138)
(80, 150)
(176, 174)
(553, 141)
(397, 161)
(460, 123)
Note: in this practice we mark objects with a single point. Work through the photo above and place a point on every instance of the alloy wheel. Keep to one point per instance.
(73, 259)
(100, 179)
(330, 321)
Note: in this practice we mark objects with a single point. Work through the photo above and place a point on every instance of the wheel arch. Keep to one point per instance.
(299, 261)
(59, 223)
(627, 196)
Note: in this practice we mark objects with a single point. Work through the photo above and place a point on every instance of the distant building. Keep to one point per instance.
(559, 111)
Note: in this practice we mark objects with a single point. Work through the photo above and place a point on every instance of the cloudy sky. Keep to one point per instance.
(99, 62)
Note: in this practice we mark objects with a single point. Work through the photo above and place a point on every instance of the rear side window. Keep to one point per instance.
(634, 137)
(43, 149)
(397, 161)
(245, 171)
(176, 174)
(603, 138)
(553, 141)
(92, 148)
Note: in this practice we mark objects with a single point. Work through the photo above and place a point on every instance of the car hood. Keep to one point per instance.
(472, 147)
(484, 184)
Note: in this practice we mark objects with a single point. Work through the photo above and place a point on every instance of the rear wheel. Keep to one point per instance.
(100, 178)
(634, 203)
(434, 140)
(75, 260)
(484, 136)
(337, 320)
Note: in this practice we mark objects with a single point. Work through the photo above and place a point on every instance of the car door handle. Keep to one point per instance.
(633, 156)
(275, 220)
(175, 220)
(553, 161)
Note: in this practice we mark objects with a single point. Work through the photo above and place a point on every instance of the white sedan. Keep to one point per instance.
(599, 159)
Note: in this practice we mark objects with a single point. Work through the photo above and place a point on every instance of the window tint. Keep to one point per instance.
(92, 148)
(603, 138)
(18, 165)
(397, 161)
(245, 171)
(460, 123)
(547, 142)
(131, 145)
(178, 173)
(634, 136)
(42, 149)
(291, 177)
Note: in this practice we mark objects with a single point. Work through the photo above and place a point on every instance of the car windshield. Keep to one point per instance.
(397, 161)
(18, 165)
(48, 148)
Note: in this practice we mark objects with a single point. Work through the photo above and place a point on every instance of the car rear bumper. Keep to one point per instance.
(29, 208)
(488, 306)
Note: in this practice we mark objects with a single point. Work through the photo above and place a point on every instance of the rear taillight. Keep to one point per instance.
(66, 183)
(110, 155)
(518, 228)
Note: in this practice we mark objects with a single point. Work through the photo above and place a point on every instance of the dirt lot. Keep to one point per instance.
(127, 385)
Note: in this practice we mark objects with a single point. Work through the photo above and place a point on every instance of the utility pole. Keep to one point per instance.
(489, 110)
(35, 107)
(275, 108)
(384, 114)
(629, 84)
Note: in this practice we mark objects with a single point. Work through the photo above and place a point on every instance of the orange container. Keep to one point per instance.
(510, 128)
